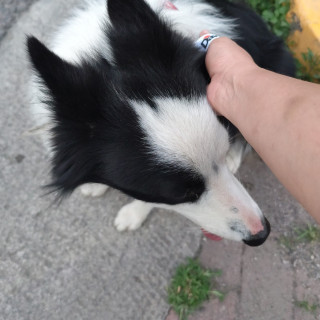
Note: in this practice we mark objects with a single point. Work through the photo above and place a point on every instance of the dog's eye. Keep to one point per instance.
(192, 195)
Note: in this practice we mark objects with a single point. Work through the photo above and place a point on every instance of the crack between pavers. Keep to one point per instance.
(239, 291)
(294, 287)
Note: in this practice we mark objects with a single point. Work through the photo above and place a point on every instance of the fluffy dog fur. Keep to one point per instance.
(122, 94)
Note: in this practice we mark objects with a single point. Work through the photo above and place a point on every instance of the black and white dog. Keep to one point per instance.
(122, 100)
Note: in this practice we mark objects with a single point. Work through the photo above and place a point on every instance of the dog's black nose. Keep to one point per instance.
(259, 238)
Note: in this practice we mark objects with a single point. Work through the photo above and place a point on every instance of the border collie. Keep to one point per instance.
(121, 98)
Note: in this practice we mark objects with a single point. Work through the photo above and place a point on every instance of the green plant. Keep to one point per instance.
(287, 242)
(190, 287)
(274, 13)
(310, 71)
(220, 295)
(311, 307)
(308, 234)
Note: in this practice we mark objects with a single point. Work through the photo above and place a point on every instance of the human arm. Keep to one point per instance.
(278, 115)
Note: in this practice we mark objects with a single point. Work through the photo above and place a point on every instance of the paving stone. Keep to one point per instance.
(226, 256)
(172, 315)
(217, 310)
(267, 284)
(306, 289)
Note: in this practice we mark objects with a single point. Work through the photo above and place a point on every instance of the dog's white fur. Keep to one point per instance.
(175, 138)
(172, 132)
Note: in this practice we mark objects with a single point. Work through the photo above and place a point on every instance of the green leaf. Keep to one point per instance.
(190, 287)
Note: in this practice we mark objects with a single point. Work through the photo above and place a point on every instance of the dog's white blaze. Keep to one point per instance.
(184, 132)
(188, 133)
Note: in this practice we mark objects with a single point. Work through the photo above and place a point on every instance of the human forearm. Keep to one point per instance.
(279, 116)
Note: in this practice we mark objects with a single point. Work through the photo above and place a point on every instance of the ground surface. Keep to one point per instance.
(10, 10)
(265, 283)
(70, 263)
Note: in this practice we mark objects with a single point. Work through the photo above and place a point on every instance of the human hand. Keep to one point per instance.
(226, 63)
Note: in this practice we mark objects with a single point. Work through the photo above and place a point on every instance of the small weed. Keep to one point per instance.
(274, 14)
(311, 307)
(310, 71)
(308, 234)
(190, 287)
(287, 242)
(218, 294)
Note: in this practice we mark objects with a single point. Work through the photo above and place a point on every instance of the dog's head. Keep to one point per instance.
(141, 123)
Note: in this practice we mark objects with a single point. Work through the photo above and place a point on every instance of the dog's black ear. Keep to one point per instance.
(82, 102)
(53, 70)
(130, 13)
(72, 91)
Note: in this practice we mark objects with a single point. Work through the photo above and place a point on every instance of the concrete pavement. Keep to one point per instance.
(69, 262)
(10, 11)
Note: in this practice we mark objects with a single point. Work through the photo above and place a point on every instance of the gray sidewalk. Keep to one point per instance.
(70, 263)
(10, 11)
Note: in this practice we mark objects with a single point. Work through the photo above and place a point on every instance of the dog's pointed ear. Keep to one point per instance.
(81, 99)
(53, 70)
(130, 13)
(70, 88)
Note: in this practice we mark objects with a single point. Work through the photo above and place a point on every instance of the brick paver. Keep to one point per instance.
(260, 283)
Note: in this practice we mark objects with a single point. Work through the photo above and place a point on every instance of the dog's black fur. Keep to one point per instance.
(96, 136)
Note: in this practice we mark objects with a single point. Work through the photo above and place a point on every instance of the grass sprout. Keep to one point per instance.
(307, 306)
(190, 287)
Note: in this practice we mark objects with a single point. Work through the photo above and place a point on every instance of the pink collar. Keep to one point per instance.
(169, 5)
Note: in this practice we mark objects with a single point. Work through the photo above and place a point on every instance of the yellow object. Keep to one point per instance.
(304, 16)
